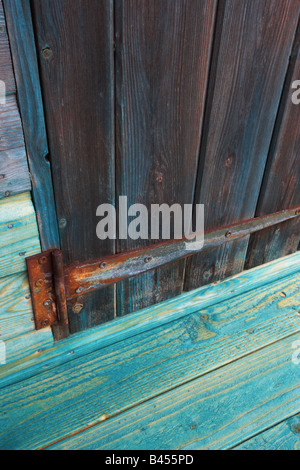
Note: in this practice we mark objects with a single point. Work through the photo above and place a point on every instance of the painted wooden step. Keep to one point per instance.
(18, 233)
(218, 345)
(146, 319)
(283, 436)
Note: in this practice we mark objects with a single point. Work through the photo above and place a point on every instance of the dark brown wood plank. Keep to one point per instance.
(281, 184)
(162, 59)
(75, 43)
(21, 37)
(6, 69)
(14, 174)
(253, 43)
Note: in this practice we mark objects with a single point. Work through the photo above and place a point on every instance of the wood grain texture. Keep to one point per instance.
(6, 69)
(251, 52)
(77, 395)
(162, 61)
(78, 88)
(281, 183)
(21, 35)
(123, 328)
(19, 233)
(32, 343)
(16, 316)
(284, 436)
(213, 412)
(14, 174)
(11, 133)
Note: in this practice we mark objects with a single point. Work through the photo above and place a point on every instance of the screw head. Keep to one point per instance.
(39, 283)
(45, 322)
(77, 308)
(297, 211)
(103, 265)
(79, 290)
(47, 303)
(43, 260)
(47, 53)
(228, 234)
(62, 223)
(148, 259)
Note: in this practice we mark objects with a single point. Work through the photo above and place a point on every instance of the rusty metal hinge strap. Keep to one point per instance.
(52, 284)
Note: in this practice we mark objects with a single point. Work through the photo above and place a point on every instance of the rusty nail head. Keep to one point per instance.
(47, 303)
(45, 322)
(77, 308)
(47, 52)
(103, 265)
(43, 260)
(39, 283)
(79, 290)
(148, 259)
(228, 234)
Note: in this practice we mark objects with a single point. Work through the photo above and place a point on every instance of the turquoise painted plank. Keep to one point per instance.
(140, 322)
(16, 316)
(284, 436)
(18, 233)
(31, 343)
(216, 411)
(72, 396)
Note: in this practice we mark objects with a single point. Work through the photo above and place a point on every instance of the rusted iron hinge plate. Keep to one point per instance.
(53, 284)
(40, 271)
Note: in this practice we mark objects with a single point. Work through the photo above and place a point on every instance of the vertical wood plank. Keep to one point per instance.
(253, 43)
(162, 61)
(21, 37)
(281, 183)
(75, 42)
(6, 70)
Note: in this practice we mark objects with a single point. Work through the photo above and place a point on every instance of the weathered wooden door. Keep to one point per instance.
(169, 101)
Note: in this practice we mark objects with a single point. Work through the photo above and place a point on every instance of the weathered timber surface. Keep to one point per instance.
(125, 374)
(11, 133)
(251, 52)
(75, 46)
(14, 175)
(283, 436)
(125, 327)
(22, 43)
(281, 184)
(18, 233)
(6, 69)
(162, 63)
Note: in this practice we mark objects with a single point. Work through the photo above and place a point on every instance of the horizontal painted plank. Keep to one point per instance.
(216, 411)
(284, 436)
(15, 306)
(14, 174)
(11, 133)
(18, 233)
(140, 322)
(73, 396)
(6, 70)
(31, 343)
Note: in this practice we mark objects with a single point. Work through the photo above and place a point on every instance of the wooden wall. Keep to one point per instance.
(19, 235)
(176, 101)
